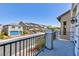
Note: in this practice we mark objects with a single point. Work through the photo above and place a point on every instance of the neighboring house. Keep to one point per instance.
(43, 28)
(37, 27)
(13, 30)
(32, 27)
(64, 19)
(27, 27)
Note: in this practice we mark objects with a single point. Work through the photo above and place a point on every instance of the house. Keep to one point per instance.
(70, 26)
(43, 28)
(74, 13)
(75, 26)
(32, 27)
(64, 19)
(27, 27)
(13, 30)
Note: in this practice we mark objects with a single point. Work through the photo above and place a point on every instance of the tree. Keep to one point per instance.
(53, 28)
(50, 27)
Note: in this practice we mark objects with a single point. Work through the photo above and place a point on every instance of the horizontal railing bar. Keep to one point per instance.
(14, 40)
(17, 41)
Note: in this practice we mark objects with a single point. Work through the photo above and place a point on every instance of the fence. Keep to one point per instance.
(23, 46)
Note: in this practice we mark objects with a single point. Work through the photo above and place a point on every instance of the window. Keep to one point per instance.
(64, 31)
(19, 27)
(64, 28)
(64, 23)
(13, 26)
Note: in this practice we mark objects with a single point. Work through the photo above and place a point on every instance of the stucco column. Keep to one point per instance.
(49, 39)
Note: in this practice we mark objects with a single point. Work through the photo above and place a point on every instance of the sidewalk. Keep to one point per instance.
(61, 48)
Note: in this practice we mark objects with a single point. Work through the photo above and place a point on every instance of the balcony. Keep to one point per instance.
(60, 48)
(36, 45)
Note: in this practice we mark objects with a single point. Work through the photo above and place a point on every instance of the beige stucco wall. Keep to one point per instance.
(67, 18)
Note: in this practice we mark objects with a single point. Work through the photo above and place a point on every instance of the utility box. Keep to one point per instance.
(49, 39)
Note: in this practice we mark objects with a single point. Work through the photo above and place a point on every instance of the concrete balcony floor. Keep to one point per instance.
(60, 48)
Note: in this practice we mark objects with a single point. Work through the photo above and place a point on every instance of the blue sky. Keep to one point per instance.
(40, 13)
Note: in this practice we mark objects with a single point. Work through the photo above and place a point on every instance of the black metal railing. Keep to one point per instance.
(23, 46)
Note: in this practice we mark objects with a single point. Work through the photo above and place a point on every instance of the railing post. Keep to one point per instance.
(49, 39)
(4, 50)
(10, 49)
